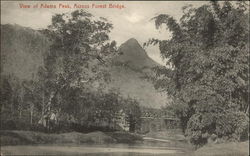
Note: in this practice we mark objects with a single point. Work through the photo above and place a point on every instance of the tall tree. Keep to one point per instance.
(207, 71)
(78, 55)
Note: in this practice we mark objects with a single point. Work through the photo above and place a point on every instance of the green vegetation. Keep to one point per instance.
(206, 78)
(97, 137)
(224, 149)
(171, 134)
(77, 59)
(66, 92)
(124, 137)
(207, 71)
(21, 52)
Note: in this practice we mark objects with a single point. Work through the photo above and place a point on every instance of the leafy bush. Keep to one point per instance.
(207, 73)
(224, 126)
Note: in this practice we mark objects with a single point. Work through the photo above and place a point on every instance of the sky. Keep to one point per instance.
(132, 21)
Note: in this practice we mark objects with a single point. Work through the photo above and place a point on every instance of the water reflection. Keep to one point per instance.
(146, 148)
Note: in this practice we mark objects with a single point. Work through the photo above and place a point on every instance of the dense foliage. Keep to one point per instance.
(78, 54)
(68, 88)
(207, 70)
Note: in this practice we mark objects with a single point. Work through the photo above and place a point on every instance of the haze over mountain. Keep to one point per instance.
(23, 48)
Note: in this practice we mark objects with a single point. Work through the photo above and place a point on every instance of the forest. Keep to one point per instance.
(207, 73)
(206, 76)
(68, 91)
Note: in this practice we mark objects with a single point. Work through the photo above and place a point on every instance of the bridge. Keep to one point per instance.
(157, 120)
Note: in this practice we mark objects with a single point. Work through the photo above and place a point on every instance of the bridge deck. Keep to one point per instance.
(166, 118)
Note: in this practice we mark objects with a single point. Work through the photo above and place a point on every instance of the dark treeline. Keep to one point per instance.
(76, 109)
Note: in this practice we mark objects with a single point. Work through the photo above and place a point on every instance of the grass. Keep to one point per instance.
(75, 138)
(171, 134)
(30, 137)
(124, 137)
(224, 149)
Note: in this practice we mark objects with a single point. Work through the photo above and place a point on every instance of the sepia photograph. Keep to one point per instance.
(124, 78)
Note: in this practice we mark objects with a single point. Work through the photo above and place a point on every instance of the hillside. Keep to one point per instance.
(134, 55)
(128, 71)
(23, 48)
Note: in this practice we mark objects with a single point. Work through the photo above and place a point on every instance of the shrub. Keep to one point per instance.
(228, 126)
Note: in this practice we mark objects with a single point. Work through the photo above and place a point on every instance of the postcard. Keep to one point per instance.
(125, 78)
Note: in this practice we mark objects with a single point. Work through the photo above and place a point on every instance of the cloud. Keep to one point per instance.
(134, 18)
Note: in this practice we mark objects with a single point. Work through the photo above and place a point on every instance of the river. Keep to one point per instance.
(146, 148)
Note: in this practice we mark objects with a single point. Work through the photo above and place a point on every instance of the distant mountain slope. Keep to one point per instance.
(133, 54)
(127, 73)
(22, 50)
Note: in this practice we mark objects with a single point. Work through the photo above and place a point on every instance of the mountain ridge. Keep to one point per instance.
(22, 52)
(128, 74)
(134, 55)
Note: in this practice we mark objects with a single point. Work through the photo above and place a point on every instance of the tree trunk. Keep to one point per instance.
(43, 103)
(21, 96)
(20, 113)
(247, 110)
(52, 95)
(2, 107)
(20, 108)
(31, 113)
(12, 105)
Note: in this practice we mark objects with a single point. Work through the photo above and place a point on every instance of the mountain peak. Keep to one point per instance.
(128, 75)
(132, 41)
(133, 54)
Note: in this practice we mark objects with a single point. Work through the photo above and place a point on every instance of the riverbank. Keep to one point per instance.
(97, 137)
(107, 143)
(88, 150)
(224, 149)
